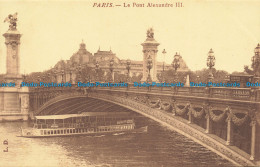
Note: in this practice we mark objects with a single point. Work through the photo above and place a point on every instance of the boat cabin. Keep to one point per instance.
(86, 119)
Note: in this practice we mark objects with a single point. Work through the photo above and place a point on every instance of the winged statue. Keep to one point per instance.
(11, 19)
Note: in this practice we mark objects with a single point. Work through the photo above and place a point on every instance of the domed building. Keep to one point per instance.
(66, 70)
(82, 56)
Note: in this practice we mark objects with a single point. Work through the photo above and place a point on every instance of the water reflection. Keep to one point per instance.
(158, 147)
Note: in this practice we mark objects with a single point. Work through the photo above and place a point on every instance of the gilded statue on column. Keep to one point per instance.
(11, 19)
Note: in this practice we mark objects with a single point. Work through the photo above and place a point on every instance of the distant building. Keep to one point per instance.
(65, 70)
(82, 56)
(105, 56)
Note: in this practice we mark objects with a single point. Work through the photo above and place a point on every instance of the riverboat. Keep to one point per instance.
(88, 123)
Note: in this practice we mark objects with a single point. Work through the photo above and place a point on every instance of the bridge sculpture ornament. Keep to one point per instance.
(239, 121)
(197, 113)
(214, 117)
(11, 19)
(180, 109)
(166, 106)
(150, 33)
(154, 103)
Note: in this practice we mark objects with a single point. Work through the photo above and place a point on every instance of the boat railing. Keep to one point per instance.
(63, 125)
(72, 125)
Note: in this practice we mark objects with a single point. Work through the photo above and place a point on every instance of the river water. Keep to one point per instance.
(159, 147)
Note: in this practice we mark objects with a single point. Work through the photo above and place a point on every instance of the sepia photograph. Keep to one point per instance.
(129, 83)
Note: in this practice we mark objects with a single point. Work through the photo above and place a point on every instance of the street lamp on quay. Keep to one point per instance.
(111, 67)
(128, 67)
(211, 63)
(176, 65)
(149, 67)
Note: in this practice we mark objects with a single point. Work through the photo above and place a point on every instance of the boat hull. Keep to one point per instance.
(138, 130)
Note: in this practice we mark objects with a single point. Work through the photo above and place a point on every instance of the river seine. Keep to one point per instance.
(159, 147)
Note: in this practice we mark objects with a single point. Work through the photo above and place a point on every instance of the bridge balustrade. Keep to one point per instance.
(248, 94)
(233, 93)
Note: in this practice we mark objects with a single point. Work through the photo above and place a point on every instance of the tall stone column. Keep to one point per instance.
(12, 42)
(150, 49)
(14, 106)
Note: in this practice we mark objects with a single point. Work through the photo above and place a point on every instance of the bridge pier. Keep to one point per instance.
(15, 104)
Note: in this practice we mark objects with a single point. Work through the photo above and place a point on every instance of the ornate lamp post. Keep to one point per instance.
(55, 76)
(62, 76)
(70, 71)
(210, 63)
(96, 69)
(176, 65)
(49, 76)
(149, 67)
(38, 78)
(111, 67)
(256, 60)
(163, 52)
(128, 63)
(52, 75)
(24, 77)
(198, 78)
(257, 50)
(43, 78)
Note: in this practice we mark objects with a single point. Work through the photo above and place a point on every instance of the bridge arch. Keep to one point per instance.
(167, 109)
(168, 118)
(77, 104)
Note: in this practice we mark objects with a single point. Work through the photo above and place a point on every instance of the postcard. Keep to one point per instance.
(129, 83)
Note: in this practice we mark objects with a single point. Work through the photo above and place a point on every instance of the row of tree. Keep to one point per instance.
(86, 74)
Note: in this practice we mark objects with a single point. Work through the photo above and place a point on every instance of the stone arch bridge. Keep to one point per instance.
(225, 120)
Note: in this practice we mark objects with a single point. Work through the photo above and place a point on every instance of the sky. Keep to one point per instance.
(53, 30)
